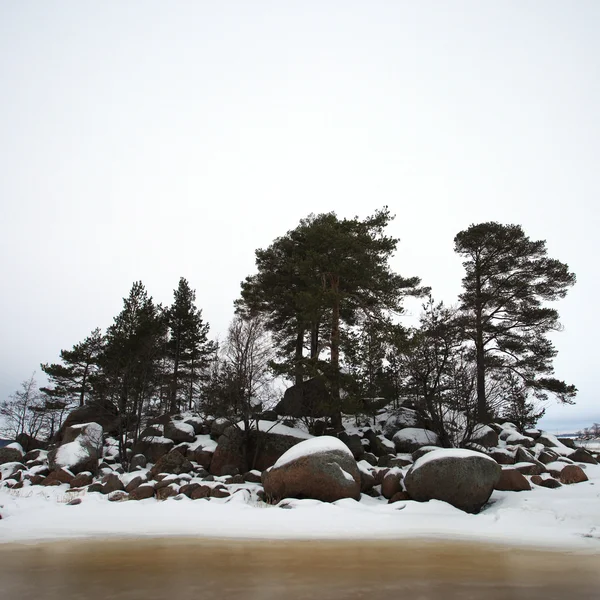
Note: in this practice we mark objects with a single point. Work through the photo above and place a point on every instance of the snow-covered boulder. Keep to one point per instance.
(11, 453)
(353, 441)
(380, 445)
(484, 435)
(399, 419)
(179, 432)
(514, 438)
(218, 427)
(392, 483)
(153, 447)
(80, 450)
(413, 438)
(463, 478)
(583, 456)
(266, 442)
(321, 468)
(512, 480)
(173, 462)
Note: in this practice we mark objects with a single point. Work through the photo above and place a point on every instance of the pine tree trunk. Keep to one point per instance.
(482, 408)
(299, 355)
(336, 417)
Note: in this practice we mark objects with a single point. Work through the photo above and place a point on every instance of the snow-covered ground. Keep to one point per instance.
(568, 517)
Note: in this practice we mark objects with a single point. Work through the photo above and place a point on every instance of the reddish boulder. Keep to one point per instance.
(511, 480)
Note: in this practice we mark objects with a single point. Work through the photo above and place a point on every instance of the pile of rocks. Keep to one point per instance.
(397, 458)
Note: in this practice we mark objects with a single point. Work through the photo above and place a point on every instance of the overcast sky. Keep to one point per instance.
(152, 140)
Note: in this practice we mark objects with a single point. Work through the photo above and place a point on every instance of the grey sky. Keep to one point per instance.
(152, 140)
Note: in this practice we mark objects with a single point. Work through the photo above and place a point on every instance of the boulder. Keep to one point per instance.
(103, 414)
(530, 468)
(547, 482)
(310, 398)
(61, 475)
(412, 438)
(259, 450)
(484, 435)
(320, 468)
(202, 491)
(82, 480)
(353, 442)
(548, 456)
(218, 427)
(112, 483)
(399, 497)
(572, 474)
(11, 453)
(380, 445)
(463, 478)
(197, 424)
(37, 456)
(80, 449)
(583, 456)
(390, 460)
(173, 462)
(179, 432)
(392, 483)
(511, 480)
(135, 483)
(29, 443)
(146, 490)
(503, 456)
(416, 455)
(219, 491)
(167, 492)
(400, 419)
(153, 448)
(138, 461)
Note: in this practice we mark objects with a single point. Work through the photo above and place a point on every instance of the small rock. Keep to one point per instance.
(547, 482)
(219, 491)
(399, 496)
(511, 480)
(74, 502)
(572, 474)
(202, 491)
(142, 492)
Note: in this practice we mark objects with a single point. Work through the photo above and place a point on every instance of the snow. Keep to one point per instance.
(68, 455)
(564, 518)
(184, 427)
(277, 428)
(203, 442)
(16, 446)
(449, 453)
(158, 439)
(317, 445)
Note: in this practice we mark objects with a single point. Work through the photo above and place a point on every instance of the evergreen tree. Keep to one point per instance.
(71, 379)
(130, 361)
(327, 268)
(507, 282)
(188, 347)
(518, 408)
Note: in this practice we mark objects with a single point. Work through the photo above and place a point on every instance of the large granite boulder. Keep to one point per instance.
(80, 450)
(173, 462)
(307, 399)
(11, 453)
(153, 447)
(105, 415)
(259, 449)
(400, 419)
(463, 478)
(409, 439)
(180, 432)
(320, 468)
(484, 435)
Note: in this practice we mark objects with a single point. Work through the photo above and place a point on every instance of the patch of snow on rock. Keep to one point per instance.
(316, 445)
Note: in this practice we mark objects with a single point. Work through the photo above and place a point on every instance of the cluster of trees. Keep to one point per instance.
(589, 433)
(325, 303)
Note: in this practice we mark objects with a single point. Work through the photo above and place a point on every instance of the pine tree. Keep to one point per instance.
(188, 347)
(71, 379)
(518, 407)
(508, 280)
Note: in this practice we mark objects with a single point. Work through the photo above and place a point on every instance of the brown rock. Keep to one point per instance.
(202, 457)
(60, 475)
(511, 480)
(583, 456)
(392, 483)
(153, 448)
(74, 502)
(173, 462)
(134, 483)
(202, 491)
(503, 457)
(95, 487)
(572, 474)
(399, 496)
(118, 496)
(142, 492)
(166, 492)
(81, 480)
(328, 475)
(547, 482)
(111, 483)
(219, 491)
(253, 477)
(530, 468)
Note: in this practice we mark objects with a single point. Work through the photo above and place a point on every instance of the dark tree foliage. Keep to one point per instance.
(326, 270)
(519, 408)
(188, 348)
(71, 379)
(508, 280)
(130, 362)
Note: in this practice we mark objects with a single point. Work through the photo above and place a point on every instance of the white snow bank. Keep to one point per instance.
(277, 428)
(564, 518)
(203, 442)
(449, 453)
(317, 445)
